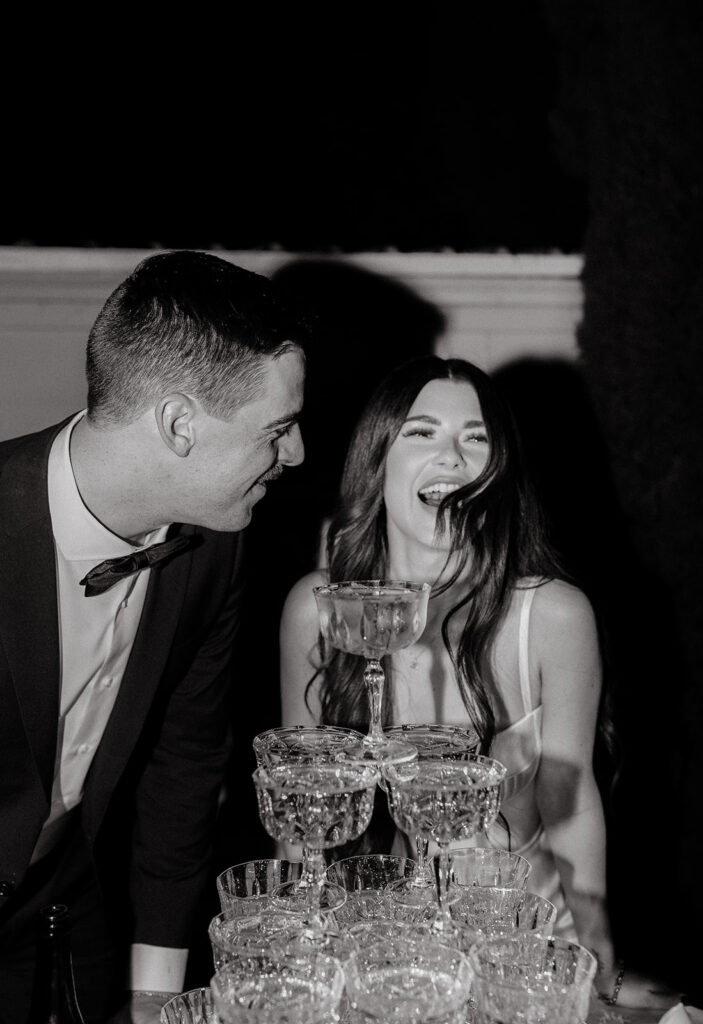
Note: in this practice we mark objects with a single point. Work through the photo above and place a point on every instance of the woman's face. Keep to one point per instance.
(441, 446)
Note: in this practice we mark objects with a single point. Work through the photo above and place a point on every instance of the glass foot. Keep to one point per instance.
(387, 755)
(421, 880)
(383, 752)
(407, 893)
(294, 896)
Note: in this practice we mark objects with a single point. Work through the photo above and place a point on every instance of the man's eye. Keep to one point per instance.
(282, 432)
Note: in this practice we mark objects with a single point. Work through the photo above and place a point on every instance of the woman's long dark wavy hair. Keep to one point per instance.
(496, 530)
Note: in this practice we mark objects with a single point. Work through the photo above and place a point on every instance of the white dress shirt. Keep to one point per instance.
(96, 635)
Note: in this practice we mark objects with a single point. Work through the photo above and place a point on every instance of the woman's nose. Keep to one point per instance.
(451, 453)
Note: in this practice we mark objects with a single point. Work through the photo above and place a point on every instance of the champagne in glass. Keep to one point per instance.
(373, 618)
(304, 744)
(320, 806)
(529, 978)
(434, 742)
(446, 801)
(269, 986)
(405, 978)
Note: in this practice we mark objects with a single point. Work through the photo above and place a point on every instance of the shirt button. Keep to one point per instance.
(108, 682)
(84, 748)
(123, 604)
(6, 887)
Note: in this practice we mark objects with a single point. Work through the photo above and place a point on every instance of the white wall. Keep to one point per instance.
(498, 307)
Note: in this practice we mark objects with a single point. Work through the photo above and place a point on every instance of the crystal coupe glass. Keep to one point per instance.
(268, 986)
(320, 806)
(373, 618)
(408, 980)
(486, 865)
(229, 932)
(492, 910)
(433, 743)
(304, 744)
(365, 879)
(528, 978)
(192, 1007)
(446, 801)
(247, 887)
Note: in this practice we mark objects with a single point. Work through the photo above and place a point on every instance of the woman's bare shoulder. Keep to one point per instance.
(562, 618)
(559, 602)
(300, 607)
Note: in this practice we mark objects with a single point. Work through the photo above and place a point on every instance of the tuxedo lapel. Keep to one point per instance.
(29, 612)
(152, 644)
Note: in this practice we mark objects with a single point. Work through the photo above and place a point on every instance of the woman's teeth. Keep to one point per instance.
(434, 494)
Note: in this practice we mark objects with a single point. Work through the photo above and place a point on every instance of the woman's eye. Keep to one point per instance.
(476, 439)
(417, 432)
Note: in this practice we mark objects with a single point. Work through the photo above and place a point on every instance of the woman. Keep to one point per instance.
(433, 490)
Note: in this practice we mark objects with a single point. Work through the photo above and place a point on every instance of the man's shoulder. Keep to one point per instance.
(23, 479)
(32, 443)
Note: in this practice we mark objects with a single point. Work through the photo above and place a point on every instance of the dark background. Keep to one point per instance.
(375, 132)
(567, 125)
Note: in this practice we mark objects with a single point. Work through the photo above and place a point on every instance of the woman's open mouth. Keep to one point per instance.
(435, 493)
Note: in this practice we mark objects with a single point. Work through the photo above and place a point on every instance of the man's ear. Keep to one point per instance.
(175, 414)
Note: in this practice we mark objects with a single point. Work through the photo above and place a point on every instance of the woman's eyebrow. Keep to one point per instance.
(422, 418)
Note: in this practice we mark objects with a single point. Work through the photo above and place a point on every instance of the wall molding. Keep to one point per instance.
(498, 307)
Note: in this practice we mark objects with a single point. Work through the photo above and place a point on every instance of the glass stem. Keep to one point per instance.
(314, 867)
(307, 875)
(374, 678)
(442, 866)
(422, 877)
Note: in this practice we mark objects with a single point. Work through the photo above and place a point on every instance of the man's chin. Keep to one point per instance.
(240, 515)
(235, 520)
(245, 512)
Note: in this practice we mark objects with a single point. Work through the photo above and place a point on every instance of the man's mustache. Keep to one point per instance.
(273, 474)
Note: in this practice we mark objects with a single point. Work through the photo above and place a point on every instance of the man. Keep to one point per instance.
(114, 680)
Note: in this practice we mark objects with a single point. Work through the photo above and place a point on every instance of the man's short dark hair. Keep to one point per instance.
(186, 321)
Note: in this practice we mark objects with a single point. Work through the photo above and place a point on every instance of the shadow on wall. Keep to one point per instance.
(364, 324)
(568, 460)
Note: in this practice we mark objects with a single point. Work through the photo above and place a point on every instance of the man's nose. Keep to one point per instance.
(291, 450)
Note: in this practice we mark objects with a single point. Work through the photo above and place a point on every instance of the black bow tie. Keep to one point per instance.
(111, 571)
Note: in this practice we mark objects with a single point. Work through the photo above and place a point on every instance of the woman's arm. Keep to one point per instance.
(566, 645)
(298, 644)
(567, 648)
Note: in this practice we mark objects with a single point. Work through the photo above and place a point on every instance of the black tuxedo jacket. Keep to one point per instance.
(167, 734)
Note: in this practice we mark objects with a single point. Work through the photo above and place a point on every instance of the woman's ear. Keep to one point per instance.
(175, 415)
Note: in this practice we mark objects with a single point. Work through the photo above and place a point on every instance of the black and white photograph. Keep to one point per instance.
(351, 533)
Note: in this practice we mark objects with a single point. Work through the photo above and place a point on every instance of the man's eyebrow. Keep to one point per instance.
(433, 419)
(290, 418)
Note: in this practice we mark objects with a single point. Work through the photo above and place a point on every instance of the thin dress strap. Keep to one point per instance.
(523, 649)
